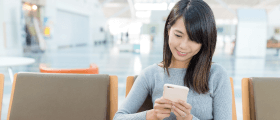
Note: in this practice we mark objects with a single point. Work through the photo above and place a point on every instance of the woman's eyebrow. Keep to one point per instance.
(179, 31)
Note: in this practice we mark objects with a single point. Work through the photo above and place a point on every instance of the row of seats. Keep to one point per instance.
(86, 96)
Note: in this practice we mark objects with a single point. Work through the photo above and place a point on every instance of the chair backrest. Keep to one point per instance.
(1, 91)
(234, 116)
(93, 69)
(40, 96)
(260, 98)
(149, 105)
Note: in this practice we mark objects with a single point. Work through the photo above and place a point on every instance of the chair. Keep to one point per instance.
(234, 116)
(93, 69)
(1, 91)
(260, 98)
(149, 105)
(45, 96)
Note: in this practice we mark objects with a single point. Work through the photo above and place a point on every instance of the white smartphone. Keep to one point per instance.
(175, 92)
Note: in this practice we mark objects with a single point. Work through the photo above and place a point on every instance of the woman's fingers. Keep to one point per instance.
(178, 112)
(182, 109)
(163, 111)
(162, 106)
(183, 106)
(175, 112)
(163, 101)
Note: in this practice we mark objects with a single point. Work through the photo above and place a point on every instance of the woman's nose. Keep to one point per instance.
(184, 44)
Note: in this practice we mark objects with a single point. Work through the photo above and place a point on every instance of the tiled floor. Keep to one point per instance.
(113, 62)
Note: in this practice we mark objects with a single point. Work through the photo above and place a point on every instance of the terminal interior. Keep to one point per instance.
(123, 37)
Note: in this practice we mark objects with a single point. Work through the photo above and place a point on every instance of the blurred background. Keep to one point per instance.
(122, 37)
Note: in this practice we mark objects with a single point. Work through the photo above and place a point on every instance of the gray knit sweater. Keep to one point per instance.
(216, 104)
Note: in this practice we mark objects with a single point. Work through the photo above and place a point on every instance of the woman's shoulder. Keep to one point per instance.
(218, 78)
(218, 74)
(217, 68)
(152, 68)
(148, 74)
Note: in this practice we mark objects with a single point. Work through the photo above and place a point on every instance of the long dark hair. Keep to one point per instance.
(201, 27)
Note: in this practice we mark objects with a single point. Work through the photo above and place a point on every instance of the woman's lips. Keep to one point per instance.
(180, 54)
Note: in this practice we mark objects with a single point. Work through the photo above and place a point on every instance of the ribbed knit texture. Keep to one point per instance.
(216, 104)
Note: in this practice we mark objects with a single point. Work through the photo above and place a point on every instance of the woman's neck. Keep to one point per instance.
(178, 64)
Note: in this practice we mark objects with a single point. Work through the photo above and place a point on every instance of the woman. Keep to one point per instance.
(189, 44)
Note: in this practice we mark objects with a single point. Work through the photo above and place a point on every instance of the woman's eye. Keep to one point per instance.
(178, 35)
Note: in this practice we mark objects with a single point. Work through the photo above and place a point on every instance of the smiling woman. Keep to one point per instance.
(181, 46)
(190, 28)
(189, 44)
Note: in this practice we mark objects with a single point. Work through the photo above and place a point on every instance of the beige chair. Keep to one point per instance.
(261, 98)
(147, 105)
(45, 96)
(1, 91)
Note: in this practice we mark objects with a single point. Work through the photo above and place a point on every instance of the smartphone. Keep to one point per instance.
(175, 92)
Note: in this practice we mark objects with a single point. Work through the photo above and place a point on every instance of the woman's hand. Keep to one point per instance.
(182, 110)
(162, 108)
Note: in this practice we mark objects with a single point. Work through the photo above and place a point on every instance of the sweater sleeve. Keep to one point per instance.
(222, 95)
(133, 101)
(194, 118)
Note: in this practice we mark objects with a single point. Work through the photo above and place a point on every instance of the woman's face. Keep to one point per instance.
(182, 48)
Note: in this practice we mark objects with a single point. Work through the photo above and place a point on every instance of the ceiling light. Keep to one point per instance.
(26, 7)
(34, 7)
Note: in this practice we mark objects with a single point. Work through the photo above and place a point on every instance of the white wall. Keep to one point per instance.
(10, 11)
(274, 16)
(251, 33)
(250, 67)
(1, 27)
(98, 20)
(273, 22)
(88, 8)
(71, 29)
(157, 18)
